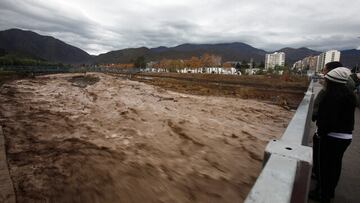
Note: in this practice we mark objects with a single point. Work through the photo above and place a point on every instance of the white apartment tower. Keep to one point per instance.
(326, 57)
(274, 59)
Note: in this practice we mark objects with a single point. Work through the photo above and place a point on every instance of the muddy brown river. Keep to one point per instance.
(101, 138)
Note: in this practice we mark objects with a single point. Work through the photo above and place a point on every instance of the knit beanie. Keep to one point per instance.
(339, 75)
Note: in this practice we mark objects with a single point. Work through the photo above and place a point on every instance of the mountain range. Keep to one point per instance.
(31, 44)
(229, 52)
(51, 49)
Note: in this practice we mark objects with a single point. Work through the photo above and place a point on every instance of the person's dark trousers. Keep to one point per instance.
(331, 154)
(315, 169)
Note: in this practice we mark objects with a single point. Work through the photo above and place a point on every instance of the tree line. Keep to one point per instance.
(206, 60)
(16, 60)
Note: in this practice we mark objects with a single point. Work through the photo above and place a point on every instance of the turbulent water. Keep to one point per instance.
(100, 138)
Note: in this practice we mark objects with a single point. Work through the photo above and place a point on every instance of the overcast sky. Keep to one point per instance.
(105, 25)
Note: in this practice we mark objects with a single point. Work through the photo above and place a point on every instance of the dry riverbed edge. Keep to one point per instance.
(101, 138)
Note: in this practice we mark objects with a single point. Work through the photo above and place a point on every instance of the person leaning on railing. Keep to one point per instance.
(353, 84)
(328, 67)
(335, 122)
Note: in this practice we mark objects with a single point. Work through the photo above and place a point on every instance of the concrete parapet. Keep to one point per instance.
(285, 176)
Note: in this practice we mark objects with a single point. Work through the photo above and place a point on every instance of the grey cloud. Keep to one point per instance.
(47, 18)
(100, 26)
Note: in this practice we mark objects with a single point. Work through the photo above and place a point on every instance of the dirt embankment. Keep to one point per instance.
(286, 91)
(102, 138)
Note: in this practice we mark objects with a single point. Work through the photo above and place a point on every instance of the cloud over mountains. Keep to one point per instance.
(101, 26)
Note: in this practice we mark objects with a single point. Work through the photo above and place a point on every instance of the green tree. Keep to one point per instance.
(2, 52)
(261, 65)
(244, 64)
(238, 66)
(260, 72)
(140, 62)
(270, 71)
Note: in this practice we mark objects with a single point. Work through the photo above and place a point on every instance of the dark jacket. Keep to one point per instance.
(336, 111)
(352, 83)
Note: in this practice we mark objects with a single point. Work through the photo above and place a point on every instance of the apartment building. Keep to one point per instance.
(317, 63)
(308, 63)
(326, 57)
(274, 59)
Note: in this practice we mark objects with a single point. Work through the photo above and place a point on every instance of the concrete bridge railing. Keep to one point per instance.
(287, 164)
